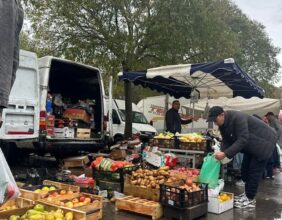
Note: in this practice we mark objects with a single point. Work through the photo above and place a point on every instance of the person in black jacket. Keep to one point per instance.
(247, 134)
(173, 120)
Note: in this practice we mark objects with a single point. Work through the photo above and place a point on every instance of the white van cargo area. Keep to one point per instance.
(71, 100)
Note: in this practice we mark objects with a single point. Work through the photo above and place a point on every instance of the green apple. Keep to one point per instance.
(39, 207)
(14, 217)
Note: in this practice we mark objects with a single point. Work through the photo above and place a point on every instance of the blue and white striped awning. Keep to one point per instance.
(215, 79)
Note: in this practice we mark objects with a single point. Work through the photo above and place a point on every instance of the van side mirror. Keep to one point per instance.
(151, 123)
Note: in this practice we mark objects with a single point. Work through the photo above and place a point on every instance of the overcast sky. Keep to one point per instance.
(267, 12)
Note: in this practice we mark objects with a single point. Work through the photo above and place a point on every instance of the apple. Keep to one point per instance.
(39, 207)
(52, 188)
(87, 200)
(75, 200)
(69, 204)
(63, 192)
(82, 199)
(69, 192)
(10, 190)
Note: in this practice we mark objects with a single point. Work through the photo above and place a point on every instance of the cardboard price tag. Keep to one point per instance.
(154, 159)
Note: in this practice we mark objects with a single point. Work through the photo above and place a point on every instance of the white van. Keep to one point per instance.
(25, 118)
(139, 122)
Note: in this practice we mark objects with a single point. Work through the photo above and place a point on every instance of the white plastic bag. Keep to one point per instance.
(216, 148)
(8, 187)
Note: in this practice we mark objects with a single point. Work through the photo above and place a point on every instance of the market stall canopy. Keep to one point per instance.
(214, 79)
(250, 106)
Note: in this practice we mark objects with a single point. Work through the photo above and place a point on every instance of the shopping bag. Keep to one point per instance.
(8, 187)
(210, 171)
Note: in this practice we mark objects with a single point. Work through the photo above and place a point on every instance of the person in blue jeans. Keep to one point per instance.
(11, 21)
(252, 137)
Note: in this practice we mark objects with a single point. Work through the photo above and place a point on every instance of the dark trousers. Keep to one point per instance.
(276, 159)
(252, 170)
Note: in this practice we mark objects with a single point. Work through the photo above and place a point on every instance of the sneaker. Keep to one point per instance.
(240, 183)
(248, 203)
(239, 197)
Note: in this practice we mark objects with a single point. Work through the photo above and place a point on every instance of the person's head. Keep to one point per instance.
(176, 105)
(269, 115)
(216, 115)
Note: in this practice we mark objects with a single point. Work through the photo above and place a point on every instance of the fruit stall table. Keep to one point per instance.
(187, 154)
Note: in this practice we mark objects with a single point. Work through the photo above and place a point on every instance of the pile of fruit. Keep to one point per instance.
(164, 135)
(76, 202)
(223, 197)
(190, 186)
(9, 207)
(107, 164)
(38, 213)
(59, 193)
(45, 189)
(189, 172)
(150, 178)
(192, 137)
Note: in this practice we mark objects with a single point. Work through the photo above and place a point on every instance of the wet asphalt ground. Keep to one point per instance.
(268, 200)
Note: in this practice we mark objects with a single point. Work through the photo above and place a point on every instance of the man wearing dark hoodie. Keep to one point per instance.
(244, 133)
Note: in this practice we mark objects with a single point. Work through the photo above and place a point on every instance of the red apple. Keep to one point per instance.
(82, 199)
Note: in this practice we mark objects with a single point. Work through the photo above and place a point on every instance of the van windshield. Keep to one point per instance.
(138, 117)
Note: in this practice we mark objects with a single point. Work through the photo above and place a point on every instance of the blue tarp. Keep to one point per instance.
(228, 73)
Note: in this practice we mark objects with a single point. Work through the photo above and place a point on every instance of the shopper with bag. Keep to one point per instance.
(251, 136)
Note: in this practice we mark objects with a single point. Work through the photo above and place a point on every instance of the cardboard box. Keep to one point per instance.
(77, 114)
(217, 207)
(83, 133)
(79, 161)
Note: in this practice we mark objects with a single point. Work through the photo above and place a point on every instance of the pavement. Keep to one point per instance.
(268, 205)
(268, 200)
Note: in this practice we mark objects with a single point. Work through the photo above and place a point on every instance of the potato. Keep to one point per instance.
(151, 178)
(134, 182)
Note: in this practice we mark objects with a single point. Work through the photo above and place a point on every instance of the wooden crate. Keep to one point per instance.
(144, 193)
(83, 133)
(77, 214)
(86, 209)
(18, 202)
(79, 161)
(140, 206)
(28, 194)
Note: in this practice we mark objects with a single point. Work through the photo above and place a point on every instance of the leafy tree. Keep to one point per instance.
(118, 35)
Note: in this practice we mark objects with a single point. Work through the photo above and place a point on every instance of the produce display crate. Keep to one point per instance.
(164, 143)
(200, 146)
(77, 214)
(217, 207)
(138, 191)
(7, 208)
(83, 133)
(140, 206)
(194, 212)
(182, 175)
(117, 176)
(28, 192)
(181, 198)
(79, 161)
(86, 209)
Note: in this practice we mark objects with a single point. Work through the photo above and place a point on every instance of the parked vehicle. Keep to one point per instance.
(140, 123)
(56, 105)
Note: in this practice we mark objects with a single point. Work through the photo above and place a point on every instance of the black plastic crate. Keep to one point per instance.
(194, 212)
(180, 198)
(115, 177)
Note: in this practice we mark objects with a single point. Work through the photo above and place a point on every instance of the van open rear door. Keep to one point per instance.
(21, 118)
